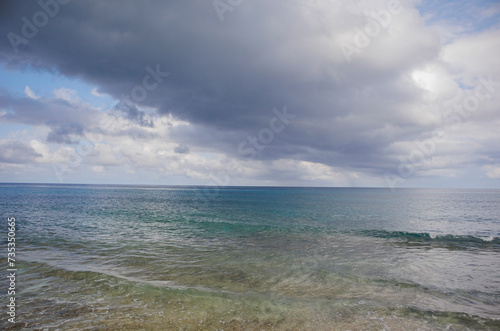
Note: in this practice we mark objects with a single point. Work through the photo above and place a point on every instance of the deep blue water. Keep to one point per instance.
(250, 257)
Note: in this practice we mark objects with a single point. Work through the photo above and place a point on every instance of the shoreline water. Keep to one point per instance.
(107, 258)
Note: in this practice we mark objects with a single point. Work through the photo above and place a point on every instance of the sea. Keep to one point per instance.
(105, 257)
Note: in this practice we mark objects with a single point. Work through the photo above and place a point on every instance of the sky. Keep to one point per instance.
(251, 92)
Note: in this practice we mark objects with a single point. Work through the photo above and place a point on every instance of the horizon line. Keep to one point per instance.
(246, 186)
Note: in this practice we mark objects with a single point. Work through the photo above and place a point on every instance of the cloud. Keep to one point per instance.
(492, 171)
(96, 93)
(467, 55)
(181, 149)
(61, 109)
(29, 93)
(133, 113)
(354, 118)
(62, 133)
(98, 169)
(17, 152)
(103, 155)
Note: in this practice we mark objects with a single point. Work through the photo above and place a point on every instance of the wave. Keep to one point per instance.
(431, 237)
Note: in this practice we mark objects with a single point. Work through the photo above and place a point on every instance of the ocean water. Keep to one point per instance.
(93, 257)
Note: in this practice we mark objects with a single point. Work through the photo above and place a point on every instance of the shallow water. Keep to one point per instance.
(105, 257)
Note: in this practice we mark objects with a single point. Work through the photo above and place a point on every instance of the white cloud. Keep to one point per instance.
(102, 154)
(29, 93)
(66, 94)
(474, 55)
(492, 171)
(62, 154)
(98, 169)
(96, 93)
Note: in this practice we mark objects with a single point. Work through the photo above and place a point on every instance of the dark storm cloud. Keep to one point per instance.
(226, 77)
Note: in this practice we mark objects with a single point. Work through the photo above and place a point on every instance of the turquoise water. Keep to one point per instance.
(198, 258)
